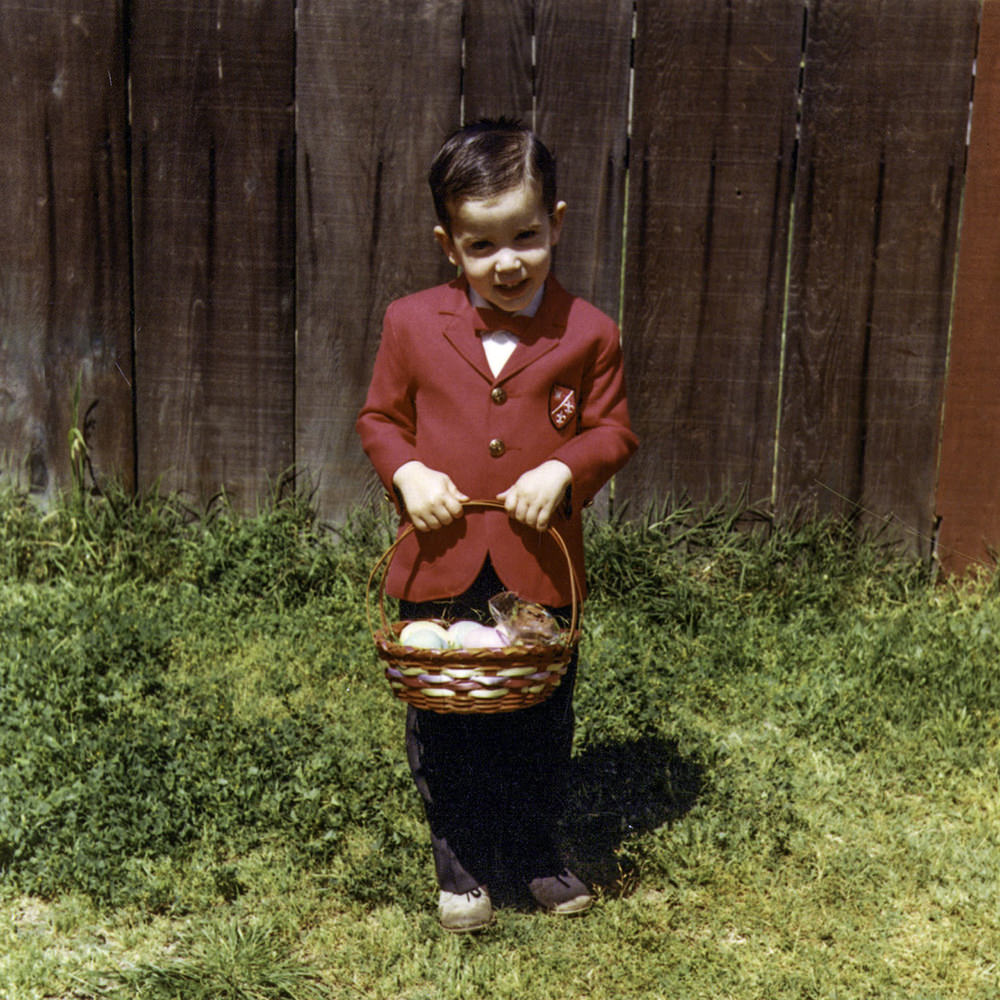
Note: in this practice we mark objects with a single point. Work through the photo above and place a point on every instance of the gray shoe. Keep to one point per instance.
(462, 912)
(563, 894)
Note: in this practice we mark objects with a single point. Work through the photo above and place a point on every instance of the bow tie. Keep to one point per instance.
(493, 319)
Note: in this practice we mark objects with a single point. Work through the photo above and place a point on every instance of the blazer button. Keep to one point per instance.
(499, 395)
(497, 447)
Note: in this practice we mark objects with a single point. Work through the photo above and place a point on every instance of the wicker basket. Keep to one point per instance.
(470, 680)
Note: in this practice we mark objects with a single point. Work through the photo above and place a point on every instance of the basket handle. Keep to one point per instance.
(381, 569)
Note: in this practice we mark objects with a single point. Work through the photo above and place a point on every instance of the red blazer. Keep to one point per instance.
(433, 398)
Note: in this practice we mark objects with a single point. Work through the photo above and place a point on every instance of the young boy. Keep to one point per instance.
(498, 385)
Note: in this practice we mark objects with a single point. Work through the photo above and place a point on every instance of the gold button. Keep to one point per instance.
(499, 395)
(497, 447)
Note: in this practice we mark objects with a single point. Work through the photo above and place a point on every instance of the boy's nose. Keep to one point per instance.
(507, 261)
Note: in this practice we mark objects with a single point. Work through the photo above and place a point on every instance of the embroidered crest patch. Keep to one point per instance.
(562, 405)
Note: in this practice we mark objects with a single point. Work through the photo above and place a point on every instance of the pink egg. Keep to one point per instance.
(458, 630)
(483, 637)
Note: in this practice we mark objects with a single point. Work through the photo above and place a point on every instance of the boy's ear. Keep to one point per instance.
(556, 221)
(444, 241)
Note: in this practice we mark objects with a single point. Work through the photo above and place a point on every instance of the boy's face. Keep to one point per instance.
(503, 244)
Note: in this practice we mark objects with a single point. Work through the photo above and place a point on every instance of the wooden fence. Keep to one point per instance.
(208, 205)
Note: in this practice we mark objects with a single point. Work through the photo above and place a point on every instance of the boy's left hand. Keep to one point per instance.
(535, 495)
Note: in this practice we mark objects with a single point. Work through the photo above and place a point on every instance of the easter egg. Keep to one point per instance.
(423, 630)
(483, 637)
(425, 638)
(458, 631)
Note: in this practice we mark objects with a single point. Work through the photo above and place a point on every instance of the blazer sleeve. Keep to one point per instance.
(387, 424)
(604, 441)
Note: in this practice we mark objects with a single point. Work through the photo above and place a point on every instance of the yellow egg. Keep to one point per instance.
(424, 638)
(424, 629)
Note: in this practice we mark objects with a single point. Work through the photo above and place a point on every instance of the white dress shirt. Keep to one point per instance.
(499, 344)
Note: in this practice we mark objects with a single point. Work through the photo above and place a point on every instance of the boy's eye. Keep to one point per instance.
(527, 234)
(479, 246)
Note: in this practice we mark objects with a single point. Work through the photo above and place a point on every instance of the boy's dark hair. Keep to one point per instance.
(486, 158)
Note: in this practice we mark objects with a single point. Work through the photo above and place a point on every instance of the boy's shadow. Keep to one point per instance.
(618, 790)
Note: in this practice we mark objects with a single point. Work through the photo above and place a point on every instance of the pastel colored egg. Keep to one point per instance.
(483, 637)
(424, 638)
(459, 630)
(405, 637)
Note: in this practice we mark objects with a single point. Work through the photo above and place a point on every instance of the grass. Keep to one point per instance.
(786, 779)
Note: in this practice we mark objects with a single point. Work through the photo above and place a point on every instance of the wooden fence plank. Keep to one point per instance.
(884, 115)
(213, 128)
(710, 176)
(64, 244)
(582, 91)
(968, 501)
(378, 88)
(498, 75)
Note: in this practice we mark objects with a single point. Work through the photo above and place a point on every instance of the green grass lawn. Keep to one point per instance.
(786, 780)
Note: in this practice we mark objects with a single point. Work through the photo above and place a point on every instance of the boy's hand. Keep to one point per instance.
(535, 495)
(431, 499)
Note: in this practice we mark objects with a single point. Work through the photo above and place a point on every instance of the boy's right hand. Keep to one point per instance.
(431, 499)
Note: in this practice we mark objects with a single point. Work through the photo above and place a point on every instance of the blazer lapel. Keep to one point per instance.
(543, 334)
(459, 329)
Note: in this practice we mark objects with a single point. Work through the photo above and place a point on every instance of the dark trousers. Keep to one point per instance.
(493, 785)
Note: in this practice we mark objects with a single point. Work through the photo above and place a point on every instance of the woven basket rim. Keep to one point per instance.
(536, 651)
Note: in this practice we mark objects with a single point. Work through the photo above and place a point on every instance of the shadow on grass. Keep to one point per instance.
(618, 791)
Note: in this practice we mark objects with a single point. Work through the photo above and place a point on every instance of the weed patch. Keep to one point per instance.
(235, 961)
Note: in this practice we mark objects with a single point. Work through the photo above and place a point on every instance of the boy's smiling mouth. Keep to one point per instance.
(512, 291)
